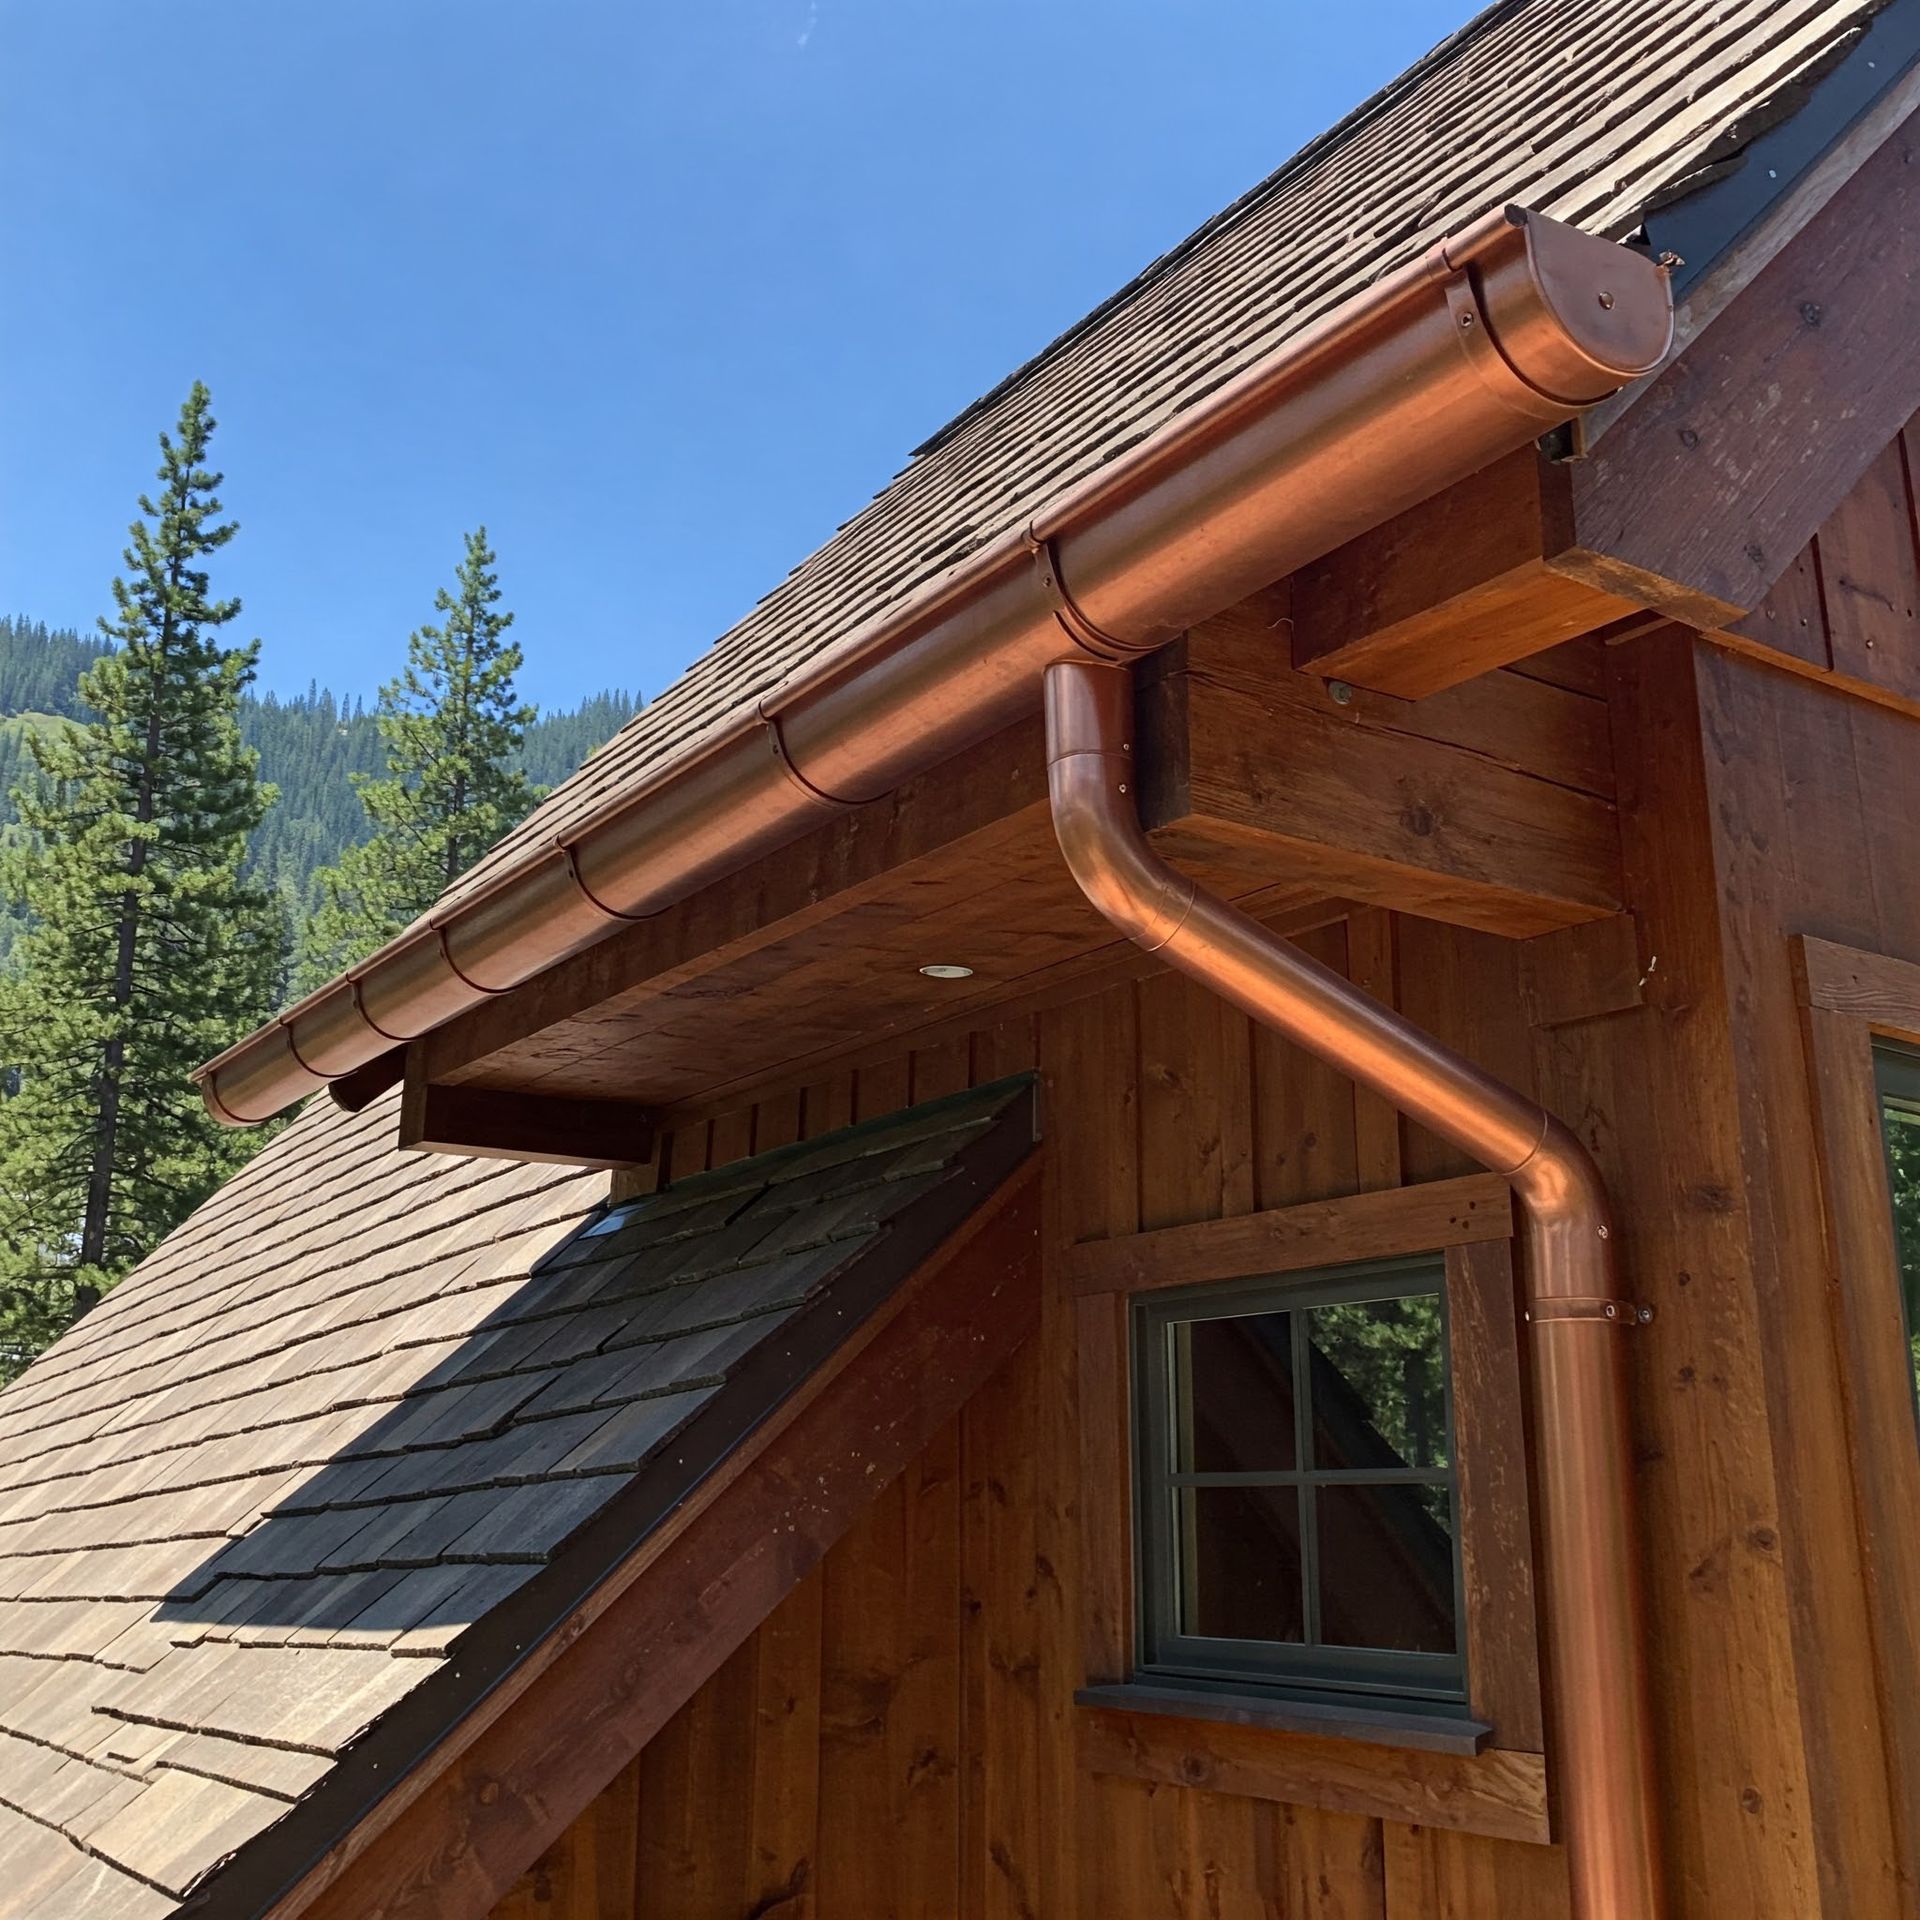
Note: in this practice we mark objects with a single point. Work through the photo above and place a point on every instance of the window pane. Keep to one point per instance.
(1379, 1383)
(1386, 1567)
(1234, 1398)
(1239, 1563)
(1899, 1074)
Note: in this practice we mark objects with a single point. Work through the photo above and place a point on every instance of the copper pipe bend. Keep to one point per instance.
(1589, 1545)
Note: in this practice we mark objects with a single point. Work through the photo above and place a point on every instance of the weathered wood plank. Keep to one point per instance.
(1877, 989)
(784, 1774)
(1373, 965)
(1583, 972)
(1432, 1874)
(1496, 1542)
(1362, 1226)
(1870, 578)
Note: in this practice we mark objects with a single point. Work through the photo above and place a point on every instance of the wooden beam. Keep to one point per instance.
(1452, 589)
(1361, 1226)
(356, 1091)
(459, 1838)
(1695, 500)
(492, 1125)
(1355, 796)
(1878, 989)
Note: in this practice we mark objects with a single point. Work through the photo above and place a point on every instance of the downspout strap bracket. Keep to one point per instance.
(1079, 629)
(1623, 1313)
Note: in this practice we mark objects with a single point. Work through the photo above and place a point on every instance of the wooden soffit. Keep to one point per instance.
(1691, 503)
(1490, 807)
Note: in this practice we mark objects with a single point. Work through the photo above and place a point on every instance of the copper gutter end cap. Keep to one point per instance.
(1572, 312)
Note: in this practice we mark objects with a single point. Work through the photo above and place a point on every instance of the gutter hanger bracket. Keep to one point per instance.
(453, 966)
(360, 1007)
(777, 741)
(570, 858)
(1078, 628)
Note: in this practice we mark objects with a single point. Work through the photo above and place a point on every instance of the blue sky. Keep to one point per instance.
(661, 293)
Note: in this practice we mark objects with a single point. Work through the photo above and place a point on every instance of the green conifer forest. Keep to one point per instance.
(179, 853)
(310, 745)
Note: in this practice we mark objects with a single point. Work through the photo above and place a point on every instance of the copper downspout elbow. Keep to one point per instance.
(1575, 1316)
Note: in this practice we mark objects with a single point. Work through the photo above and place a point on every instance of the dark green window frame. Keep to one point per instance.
(1310, 1666)
(1896, 1079)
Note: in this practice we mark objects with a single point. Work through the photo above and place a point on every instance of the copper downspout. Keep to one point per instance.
(1575, 1312)
(1495, 335)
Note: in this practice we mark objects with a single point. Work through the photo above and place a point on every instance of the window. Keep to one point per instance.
(1896, 1073)
(1295, 1484)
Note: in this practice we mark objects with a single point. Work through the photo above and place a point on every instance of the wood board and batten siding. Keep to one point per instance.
(902, 1736)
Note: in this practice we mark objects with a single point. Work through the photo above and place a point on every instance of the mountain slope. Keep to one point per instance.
(310, 746)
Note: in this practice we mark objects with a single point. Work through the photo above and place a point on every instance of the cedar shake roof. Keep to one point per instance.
(1592, 111)
(361, 1429)
(298, 1492)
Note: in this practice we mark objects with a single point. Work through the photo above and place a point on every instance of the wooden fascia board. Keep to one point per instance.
(1695, 498)
(444, 1827)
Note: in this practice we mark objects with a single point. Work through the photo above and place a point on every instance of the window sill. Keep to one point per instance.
(1261, 1750)
(1376, 1726)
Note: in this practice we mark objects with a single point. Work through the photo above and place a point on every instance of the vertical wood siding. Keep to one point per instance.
(900, 1737)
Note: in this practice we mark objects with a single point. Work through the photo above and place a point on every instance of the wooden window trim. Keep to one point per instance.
(1849, 999)
(1357, 1677)
(1500, 1791)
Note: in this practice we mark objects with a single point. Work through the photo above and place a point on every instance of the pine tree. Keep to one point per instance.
(146, 951)
(453, 729)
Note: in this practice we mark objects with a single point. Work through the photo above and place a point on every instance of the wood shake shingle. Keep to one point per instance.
(254, 1504)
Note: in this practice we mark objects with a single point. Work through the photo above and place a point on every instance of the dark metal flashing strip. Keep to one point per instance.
(1702, 225)
(408, 1738)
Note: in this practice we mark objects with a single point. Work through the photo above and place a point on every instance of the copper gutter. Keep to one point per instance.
(1575, 1313)
(1491, 338)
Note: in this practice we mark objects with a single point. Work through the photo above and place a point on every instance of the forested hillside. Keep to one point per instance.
(310, 747)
